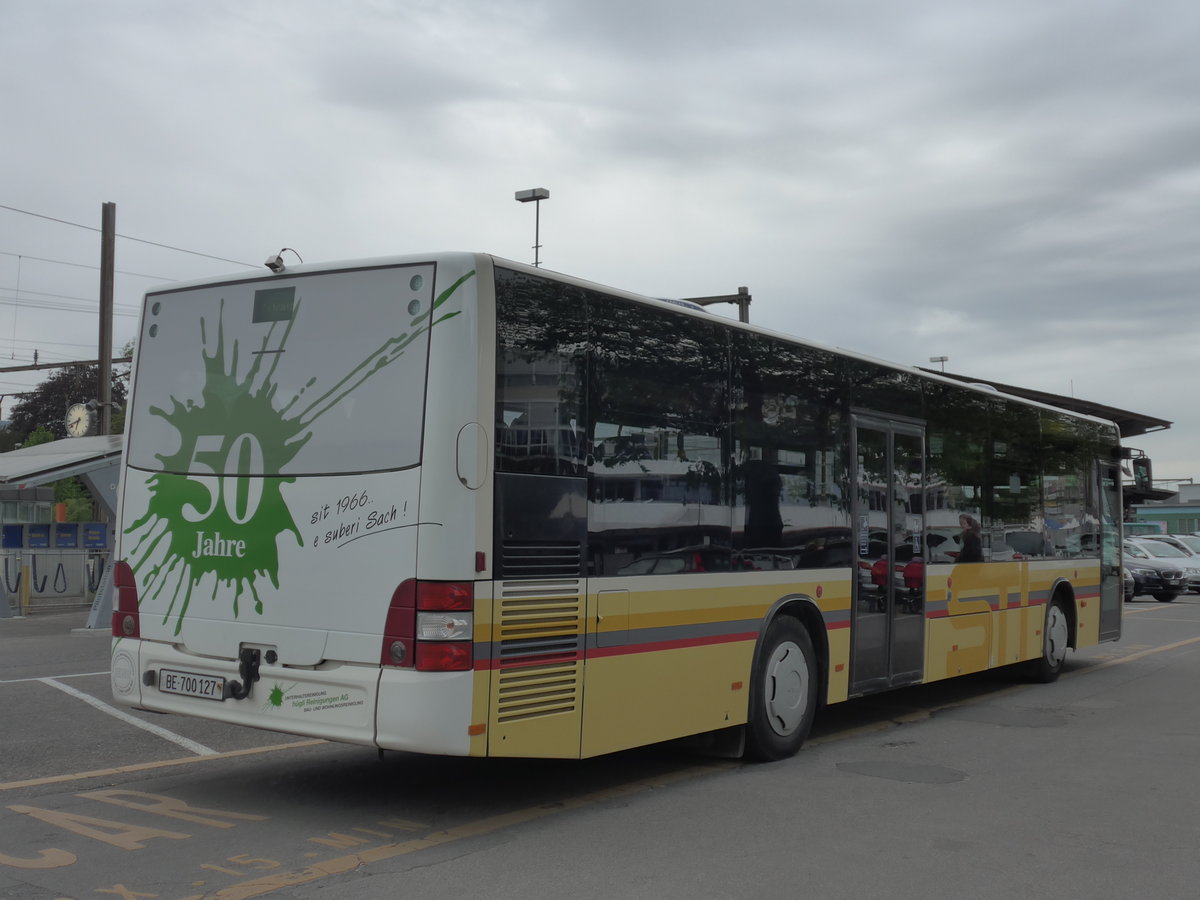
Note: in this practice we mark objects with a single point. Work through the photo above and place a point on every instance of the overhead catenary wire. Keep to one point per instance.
(45, 301)
(127, 237)
(63, 262)
(21, 296)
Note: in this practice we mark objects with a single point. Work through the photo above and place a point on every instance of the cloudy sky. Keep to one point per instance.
(1014, 185)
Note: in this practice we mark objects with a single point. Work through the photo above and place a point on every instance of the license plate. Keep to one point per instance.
(190, 684)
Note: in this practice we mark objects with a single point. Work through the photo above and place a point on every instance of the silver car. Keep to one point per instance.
(1189, 544)
(1177, 569)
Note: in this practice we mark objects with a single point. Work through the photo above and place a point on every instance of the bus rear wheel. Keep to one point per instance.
(783, 692)
(1056, 637)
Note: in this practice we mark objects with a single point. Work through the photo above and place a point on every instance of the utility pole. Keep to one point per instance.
(108, 242)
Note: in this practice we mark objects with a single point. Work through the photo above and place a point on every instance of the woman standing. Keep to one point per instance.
(971, 540)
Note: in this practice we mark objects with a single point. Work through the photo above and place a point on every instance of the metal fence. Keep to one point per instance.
(34, 581)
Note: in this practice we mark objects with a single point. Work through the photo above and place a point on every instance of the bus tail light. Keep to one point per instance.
(125, 620)
(444, 657)
(443, 626)
(430, 627)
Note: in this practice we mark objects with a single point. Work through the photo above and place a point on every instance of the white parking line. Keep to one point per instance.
(74, 675)
(198, 749)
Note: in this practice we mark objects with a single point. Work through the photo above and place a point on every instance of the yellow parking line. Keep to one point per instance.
(271, 883)
(1132, 656)
(921, 714)
(143, 767)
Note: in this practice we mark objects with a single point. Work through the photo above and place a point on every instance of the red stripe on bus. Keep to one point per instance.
(677, 644)
(597, 652)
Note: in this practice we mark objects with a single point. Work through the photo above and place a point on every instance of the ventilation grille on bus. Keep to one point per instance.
(539, 648)
(541, 559)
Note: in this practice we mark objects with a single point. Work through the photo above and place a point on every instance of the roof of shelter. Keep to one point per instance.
(1130, 423)
(48, 462)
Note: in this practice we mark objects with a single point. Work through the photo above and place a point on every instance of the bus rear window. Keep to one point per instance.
(310, 375)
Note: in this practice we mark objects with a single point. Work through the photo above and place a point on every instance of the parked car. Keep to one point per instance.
(703, 558)
(1168, 546)
(1127, 583)
(1026, 543)
(942, 544)
(1192, 541)
(1189, 542)
(1161, 577)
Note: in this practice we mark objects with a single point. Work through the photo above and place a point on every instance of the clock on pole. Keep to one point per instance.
(79, 420)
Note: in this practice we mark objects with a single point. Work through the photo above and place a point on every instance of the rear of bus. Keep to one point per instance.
(292, 440)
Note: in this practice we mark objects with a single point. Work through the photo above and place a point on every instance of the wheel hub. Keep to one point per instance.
(786, 688)
(1056, 636)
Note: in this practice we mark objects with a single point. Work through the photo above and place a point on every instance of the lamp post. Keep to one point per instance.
(940, 359)
(537, 195)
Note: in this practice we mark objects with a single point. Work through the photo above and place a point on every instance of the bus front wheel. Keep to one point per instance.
(1056, 637)
(783, 692)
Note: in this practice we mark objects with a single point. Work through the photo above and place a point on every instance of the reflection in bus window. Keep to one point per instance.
(658, 442)
(539, 377)
(791, 502)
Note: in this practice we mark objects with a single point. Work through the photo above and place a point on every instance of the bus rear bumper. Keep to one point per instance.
(394, 709)
(425, 712)
(332, 701)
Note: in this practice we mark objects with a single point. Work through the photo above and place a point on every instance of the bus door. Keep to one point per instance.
(888, 621)
(1112, 594)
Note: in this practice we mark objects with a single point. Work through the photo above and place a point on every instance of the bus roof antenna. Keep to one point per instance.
(275, 262)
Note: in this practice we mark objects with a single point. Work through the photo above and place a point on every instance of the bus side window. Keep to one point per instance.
(540, 365)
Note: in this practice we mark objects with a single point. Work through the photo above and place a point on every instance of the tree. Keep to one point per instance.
(46, 407)
(39, 435)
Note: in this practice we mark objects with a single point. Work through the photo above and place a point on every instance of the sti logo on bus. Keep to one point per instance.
(214, 520)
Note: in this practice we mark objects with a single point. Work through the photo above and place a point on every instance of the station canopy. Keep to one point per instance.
(45, 463)
(1131, 424)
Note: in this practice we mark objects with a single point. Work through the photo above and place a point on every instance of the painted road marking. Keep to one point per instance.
(150, 766)
(158, 731)
(916, 715)
(105, 673)
(1132, 656)
(923, 713)
(277, 881)
(271, 883)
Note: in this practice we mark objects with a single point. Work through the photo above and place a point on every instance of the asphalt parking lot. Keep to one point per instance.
(985, 786)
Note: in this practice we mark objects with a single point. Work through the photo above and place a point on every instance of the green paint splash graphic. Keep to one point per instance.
(277, 695)
(205, 523)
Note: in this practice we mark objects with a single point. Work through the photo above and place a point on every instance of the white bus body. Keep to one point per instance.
(277, 483)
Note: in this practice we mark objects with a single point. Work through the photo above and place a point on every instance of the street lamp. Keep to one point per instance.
(940, 359)
(741, 299)
(537, 195)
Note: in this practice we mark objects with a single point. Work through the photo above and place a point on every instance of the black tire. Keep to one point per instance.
(1056, 637)
(783, 692)
(1165, 597)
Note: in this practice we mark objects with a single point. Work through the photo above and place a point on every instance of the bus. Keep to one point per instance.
(453, 504)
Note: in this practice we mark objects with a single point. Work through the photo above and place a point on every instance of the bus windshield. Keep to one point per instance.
(291, 365)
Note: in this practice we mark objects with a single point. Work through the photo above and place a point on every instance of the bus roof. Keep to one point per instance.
(1093, 412)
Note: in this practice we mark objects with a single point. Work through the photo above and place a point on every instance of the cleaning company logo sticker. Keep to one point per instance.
(215, 520)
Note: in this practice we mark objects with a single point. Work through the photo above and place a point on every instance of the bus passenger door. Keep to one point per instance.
(888, 647)
(1112, 593)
